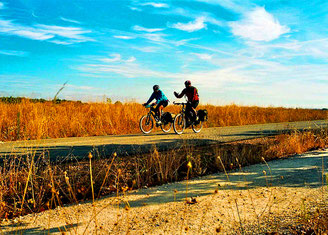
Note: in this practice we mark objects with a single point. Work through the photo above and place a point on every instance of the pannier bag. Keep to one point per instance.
(167, 117)
(202, 114)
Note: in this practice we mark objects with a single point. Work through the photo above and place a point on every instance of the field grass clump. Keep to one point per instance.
(23, 119)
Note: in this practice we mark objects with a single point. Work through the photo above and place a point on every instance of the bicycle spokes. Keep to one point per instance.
(146, 124)
(179, 123)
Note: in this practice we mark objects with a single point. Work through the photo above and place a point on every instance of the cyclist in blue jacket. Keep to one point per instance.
(161, 100)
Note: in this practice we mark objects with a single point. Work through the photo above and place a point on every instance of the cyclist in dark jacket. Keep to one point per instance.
(193, 98)
(161, 100)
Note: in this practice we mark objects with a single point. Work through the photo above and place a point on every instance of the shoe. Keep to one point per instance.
(158, 123)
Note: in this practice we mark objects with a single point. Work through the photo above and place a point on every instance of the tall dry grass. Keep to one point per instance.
(30, 120)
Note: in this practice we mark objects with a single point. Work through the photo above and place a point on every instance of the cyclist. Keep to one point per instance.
(193, 98)
(161, 101)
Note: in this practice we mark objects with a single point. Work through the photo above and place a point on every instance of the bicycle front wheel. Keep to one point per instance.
(146, 124)
(179, 124)
(197, 127)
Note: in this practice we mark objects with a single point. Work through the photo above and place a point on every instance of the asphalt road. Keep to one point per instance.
(64, 148)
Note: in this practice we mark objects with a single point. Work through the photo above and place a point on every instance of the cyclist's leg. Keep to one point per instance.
(158, 109)
(194, 105)
(161, 105)
(189, 110)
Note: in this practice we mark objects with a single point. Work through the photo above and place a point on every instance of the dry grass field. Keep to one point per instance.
(34, 120)
(34, 184)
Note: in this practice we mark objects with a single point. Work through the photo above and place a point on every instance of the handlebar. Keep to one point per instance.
(175, 103)
(149, 105)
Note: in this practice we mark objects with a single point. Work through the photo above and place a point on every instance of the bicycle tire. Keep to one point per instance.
(179, 120)
(197, 129)
(166, 130)
(151, 123)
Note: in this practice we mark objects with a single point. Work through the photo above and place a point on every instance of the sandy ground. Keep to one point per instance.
(255, 199)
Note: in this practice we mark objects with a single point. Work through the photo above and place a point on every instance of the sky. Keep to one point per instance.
(259, 52)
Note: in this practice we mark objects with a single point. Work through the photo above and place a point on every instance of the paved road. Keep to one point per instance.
(129, 144)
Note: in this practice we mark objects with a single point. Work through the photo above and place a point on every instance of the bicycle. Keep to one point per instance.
(183, 120)
(146, 122)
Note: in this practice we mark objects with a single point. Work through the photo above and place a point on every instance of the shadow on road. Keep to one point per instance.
(21, 229)
(80, 152)
(258, 133)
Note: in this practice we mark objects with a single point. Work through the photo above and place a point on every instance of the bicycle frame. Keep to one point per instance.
(183, 110)
(150, 113)
(165, 126)
(186, 120)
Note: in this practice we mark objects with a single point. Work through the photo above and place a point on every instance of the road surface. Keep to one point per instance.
(130, 144)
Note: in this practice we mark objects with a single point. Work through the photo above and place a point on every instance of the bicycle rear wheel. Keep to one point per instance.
(179, 124)
(197, 126)
(146, 124)
(166, 127)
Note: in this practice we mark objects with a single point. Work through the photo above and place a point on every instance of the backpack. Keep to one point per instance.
(167, 117)
(203, 115)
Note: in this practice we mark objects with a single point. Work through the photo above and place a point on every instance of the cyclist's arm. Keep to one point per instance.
(151, 98)
(181, 94)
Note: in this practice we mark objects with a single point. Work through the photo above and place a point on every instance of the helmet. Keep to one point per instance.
(187, 83)
(156, 87)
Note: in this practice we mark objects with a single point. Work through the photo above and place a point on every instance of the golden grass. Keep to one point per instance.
(28, 120)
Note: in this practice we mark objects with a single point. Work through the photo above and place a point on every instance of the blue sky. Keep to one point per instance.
(245, 52)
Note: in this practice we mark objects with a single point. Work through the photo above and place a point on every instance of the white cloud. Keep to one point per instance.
(148, 30)
(9, 28)
(147, 49)
(70, 20)
(156, 5)
(207, 79)
(316, 48)
(63, 35)
(233, 5)
(13, 53)
(183, 41)
(135, 9)
(131, 59)
(115, 58)
(193, 14)
(156, 37)
(258, 25)
(61, 42)
(65, 32)
(219, 77)
(126, 70)
(32, 34)
(123, 37)
(191, 26)
(1, 5)
(203, 56)
(80, 87)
